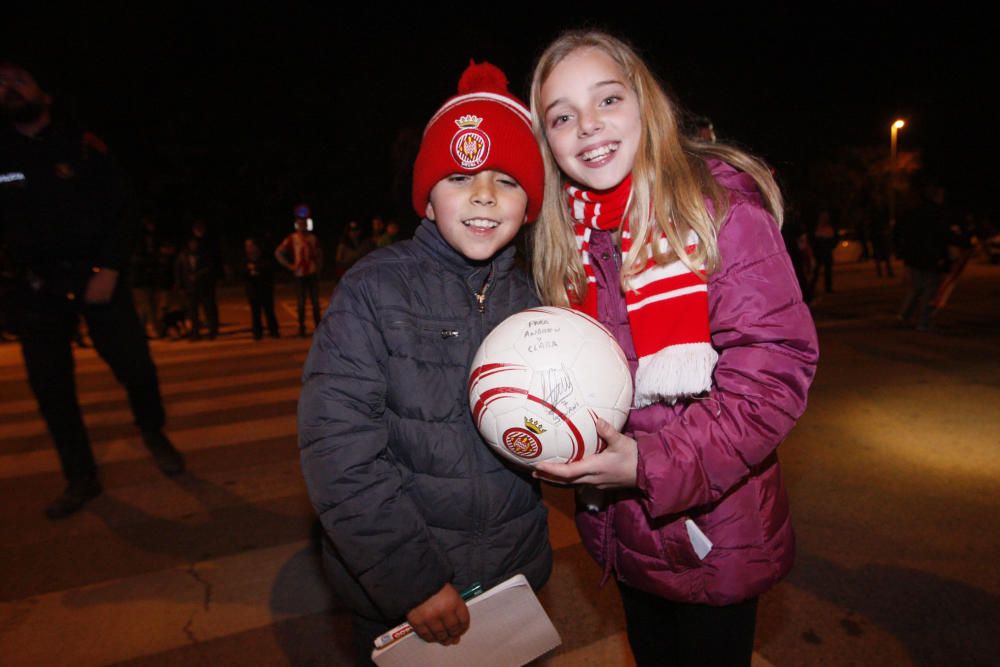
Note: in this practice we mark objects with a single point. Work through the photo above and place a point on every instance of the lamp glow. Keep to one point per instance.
(894, 129)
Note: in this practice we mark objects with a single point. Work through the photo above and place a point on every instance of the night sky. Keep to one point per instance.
(238, 112)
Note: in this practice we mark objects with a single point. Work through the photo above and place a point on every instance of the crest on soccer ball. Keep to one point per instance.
(470, 146)
(522, 442)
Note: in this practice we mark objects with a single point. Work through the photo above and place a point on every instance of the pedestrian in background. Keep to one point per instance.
(210, 251)
(796, 240)
(193, 278)
(145, 259)
(824, 242)
(882, 248)
(922, 237)
(258, 275)
(301, 254)
(704, 129)
(68, 221)
(391, 234)
(377, 232)
(352, 246)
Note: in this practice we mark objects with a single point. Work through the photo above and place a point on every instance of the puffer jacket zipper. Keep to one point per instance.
(481, 295)
(480, 501)
(609, 253)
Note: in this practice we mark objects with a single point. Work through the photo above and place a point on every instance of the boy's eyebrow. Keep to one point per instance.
(599, 84)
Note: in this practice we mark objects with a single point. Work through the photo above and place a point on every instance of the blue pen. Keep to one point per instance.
(404, 629)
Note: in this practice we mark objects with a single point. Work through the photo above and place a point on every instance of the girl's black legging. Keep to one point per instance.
(679, 634)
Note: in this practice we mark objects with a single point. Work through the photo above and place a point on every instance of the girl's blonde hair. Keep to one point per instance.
(670, 180)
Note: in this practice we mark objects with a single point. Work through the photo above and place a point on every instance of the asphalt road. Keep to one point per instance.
(894, 474)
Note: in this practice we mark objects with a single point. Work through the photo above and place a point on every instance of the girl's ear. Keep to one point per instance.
(429, 211)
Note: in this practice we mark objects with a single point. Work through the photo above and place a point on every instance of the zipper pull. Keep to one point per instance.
(481, 294)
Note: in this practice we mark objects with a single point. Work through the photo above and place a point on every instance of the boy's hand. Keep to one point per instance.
(442, 618)
(616, 467)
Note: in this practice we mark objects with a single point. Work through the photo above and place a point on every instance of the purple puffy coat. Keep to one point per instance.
(714, 459)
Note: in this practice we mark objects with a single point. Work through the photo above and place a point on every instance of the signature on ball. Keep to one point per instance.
(557, 390)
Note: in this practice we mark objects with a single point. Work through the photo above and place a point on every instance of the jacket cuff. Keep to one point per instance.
(396, 590)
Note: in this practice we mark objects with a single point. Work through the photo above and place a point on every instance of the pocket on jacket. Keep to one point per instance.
(674, 545)
(427, 369)
(428, 341)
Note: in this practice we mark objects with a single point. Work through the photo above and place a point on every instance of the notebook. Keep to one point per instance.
(507, 628)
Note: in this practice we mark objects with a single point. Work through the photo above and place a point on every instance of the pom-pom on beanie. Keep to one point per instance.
(483, 127)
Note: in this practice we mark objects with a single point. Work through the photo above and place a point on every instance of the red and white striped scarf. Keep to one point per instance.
(667, 303)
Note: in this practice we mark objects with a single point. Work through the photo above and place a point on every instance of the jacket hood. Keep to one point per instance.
(733, 179)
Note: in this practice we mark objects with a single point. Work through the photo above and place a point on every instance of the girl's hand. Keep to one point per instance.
(441, 618)
(613, 468)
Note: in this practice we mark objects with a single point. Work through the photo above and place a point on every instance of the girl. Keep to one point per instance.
(674, 245)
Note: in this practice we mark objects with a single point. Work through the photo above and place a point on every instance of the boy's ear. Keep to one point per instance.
(429, 212)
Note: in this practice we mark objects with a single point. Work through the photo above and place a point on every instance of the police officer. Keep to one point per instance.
(68, 225)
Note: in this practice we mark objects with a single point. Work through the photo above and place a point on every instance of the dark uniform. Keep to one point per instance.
(65, 212)
(258, 274)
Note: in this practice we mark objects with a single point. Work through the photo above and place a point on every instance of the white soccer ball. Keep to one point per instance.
(539, 381)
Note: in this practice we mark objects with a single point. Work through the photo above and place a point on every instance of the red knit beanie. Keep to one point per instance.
(483, 127)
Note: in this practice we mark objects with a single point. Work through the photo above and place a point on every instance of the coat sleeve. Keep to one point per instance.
(353, 482)
(121, 221)
(768, 352)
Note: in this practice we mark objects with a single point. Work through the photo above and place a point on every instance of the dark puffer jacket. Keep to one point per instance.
(409, 495)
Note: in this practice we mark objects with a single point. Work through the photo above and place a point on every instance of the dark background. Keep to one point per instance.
(235, 113)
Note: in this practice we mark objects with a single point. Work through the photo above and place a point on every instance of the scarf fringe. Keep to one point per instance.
(674, 372)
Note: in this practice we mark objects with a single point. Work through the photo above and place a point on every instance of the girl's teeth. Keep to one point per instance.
(599, 152)
(482, 224)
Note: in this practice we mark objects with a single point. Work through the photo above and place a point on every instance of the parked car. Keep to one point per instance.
(993, 248)
(848, 249)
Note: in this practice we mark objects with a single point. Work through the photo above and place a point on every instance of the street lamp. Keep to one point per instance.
(893, 131)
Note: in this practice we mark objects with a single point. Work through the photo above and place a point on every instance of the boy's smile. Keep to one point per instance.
(478, 214)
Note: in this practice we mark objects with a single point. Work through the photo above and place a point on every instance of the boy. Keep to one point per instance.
(414, 505)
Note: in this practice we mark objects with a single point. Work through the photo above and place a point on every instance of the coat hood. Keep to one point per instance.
(734, 180)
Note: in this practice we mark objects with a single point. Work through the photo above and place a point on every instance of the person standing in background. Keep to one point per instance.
(258, 274)
(68, 221)
(301, 254)
(378, 231)
(704, 129)
(145, 262)
(922, 237)
(194, 280)
(824, 241)
(210, 251)
(796, 240)
(352, 247)
(391, 234)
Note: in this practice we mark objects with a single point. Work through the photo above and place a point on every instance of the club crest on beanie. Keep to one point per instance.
(482, 127)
